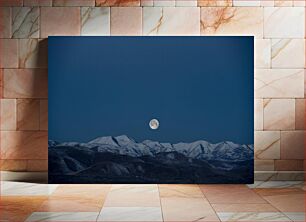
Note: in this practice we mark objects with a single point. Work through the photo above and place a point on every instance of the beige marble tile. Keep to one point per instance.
(263, 207)
(133, 196)
(126, 21)
(267, 145)
(95, 21)
(279, 176)
(292, 145)
(43, 115)
(267, 3)
(289, 165)
(279, 83)
(37, 2)
(8, 114)
(264, 165)
(33, 53)
(171, 21)
(263, 53)
(5, 3)
(278, 22)
(305, 82)
(25, 83)
(300, 114)
(37, 165)
(63, 216)
(26, 189)
(71, 204)
(73, 2)
(288, 53)
(25, 22)
(8, 53)
(258, 117)
(130, 214)
(52, 16)
(22, 144)
(299, 3)
(5, 22)
(186, 3)
(296, 216)
(123, 3)
(212, 3)
(187, 209)
(13, 165)
(277, 184)
(18, 208)
(180, 190)
(91, 191)
(279, 114)
(285, 199)
(283, 3)
(164, 3)
(1, 83)
(230, 194)
(247, 3)
(232, 21)
(146, 3)
(27, 114)
(253, 216)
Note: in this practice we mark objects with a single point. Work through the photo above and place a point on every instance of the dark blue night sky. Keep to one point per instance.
(199, 88)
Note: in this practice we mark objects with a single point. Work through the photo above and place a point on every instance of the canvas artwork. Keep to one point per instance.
(151, 109)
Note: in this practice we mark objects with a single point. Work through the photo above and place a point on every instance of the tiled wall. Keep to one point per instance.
(279, 28)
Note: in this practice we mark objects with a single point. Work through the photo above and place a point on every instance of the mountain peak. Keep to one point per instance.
(108, 140)
(123, 139)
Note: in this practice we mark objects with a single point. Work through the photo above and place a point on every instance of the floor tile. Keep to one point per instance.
(133, 196)
(71, 204)
(230, 194)
(26, 189)
(264, 207)
(96, 191)
(285, 200)
(274, 216)
(178, 190)
(63, 216)
(130, 214)
(296, 216)
(187, 209)
(18, 208)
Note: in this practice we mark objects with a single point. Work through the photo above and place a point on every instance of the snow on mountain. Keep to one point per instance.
(201, 150)
(107, 140)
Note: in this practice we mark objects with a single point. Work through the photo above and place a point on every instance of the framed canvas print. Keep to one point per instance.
(151, 109)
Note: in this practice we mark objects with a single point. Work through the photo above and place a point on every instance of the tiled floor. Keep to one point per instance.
(263, 201)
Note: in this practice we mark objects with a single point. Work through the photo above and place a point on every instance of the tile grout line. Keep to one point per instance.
(160, 203)
(278, 210)
(104, 202)
(209, 202)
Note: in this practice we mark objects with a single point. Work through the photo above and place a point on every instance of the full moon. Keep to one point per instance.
(154, 124)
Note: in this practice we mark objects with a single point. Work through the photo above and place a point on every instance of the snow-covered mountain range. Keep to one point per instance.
(122, 159)
(201, 149)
